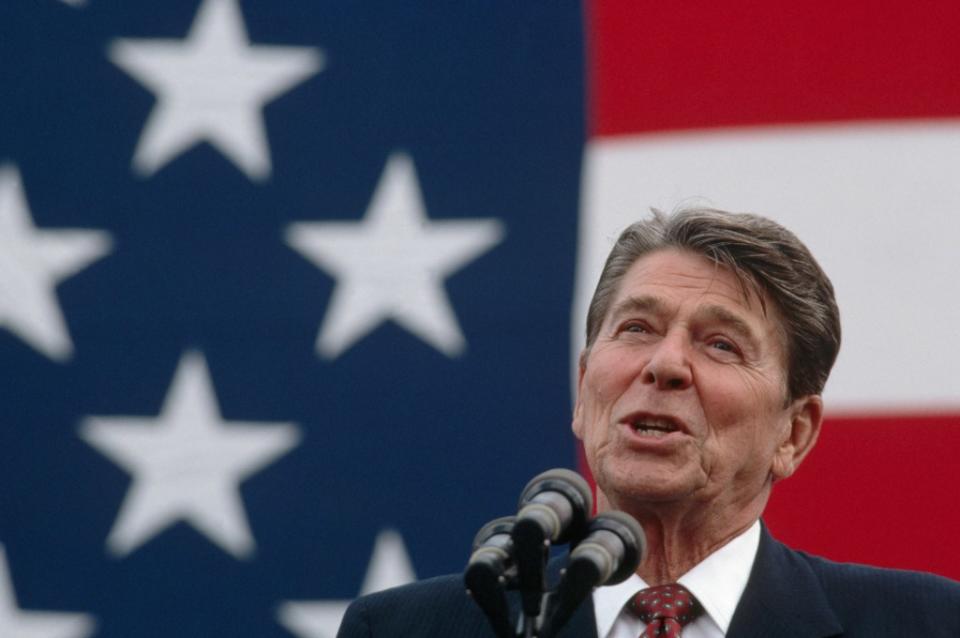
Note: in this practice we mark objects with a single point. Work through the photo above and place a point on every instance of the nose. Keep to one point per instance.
(669, 365)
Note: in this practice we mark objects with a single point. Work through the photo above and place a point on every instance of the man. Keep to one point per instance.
(710, 337)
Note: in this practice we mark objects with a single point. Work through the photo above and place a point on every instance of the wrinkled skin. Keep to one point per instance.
(682, 408)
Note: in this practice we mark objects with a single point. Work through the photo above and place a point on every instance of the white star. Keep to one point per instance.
(15, 623)
(392, 264)
(211, 87)
(389, 567)
(187, 463)
(32, 263)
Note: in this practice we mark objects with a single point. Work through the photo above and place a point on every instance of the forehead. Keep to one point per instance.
(674, 279)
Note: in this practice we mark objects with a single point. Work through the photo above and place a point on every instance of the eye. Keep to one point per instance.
(723, 345)
(634, 326)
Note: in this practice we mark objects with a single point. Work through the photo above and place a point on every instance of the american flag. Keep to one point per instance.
(291, 292)
(842, 121)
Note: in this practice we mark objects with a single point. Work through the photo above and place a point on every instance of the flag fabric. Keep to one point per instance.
(843, 123)
(291, 292)
(284, 301)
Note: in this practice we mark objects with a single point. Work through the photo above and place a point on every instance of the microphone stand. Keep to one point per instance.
(532, 549)
(512, 553)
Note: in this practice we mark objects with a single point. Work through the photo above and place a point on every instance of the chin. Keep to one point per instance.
(623, 489)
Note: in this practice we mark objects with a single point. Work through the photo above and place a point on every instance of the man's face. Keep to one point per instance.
(682, 397)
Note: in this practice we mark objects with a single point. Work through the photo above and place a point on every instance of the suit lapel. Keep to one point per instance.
(783, 598)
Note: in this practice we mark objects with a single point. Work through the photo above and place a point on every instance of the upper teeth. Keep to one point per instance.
(654, 424)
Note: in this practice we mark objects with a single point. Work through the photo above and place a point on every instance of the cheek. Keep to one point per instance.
(611, 372)
(742, 417)
(591, 408)
(742, 394)
(598, 395)
(743, 436)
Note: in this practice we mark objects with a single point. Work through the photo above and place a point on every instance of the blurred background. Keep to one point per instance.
(291, 292)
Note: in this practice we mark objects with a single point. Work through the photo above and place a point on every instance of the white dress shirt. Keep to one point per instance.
(717, 582)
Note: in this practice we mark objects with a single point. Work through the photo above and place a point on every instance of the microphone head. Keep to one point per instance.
(628, 530)
(573, 487)
(502, 525)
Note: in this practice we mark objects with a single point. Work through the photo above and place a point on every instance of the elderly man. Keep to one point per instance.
(709, 339)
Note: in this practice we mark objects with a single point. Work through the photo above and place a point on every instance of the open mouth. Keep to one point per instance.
(654, 426)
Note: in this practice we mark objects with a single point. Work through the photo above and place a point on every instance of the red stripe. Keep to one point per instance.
(878, 490)
(676, 65)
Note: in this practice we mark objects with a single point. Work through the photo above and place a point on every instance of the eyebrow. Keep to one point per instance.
(643, 303)
(736, 323)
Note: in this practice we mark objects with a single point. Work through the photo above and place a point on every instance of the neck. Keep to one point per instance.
(680, 538)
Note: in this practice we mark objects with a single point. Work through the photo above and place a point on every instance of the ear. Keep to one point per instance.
(799, 436)
(578, 405)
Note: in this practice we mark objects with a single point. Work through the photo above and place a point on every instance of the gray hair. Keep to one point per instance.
(765, 257)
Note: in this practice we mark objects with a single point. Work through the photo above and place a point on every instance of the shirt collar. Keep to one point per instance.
(717, 582)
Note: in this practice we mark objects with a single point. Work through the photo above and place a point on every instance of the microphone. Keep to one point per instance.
(612, 549)
(489, 570)
(614, 546)
(557, 503)
(554, 507)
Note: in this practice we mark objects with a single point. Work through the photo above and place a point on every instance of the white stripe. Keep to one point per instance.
(878, 204)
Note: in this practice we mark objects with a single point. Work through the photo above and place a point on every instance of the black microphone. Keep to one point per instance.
(557, 502)
(554, 507)
(612, 549)
(615, 545)
(489, 570)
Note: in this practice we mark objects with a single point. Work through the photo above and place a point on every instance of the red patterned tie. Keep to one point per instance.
(665, 609)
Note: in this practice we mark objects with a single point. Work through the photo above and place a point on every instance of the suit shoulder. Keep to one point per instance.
(854, 574)
(448, 590)
(853, 586)
(433, 607)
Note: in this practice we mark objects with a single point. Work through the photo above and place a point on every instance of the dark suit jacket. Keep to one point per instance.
(789, 595)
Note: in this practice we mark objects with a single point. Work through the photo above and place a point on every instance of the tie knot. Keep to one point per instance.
(666, 602)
